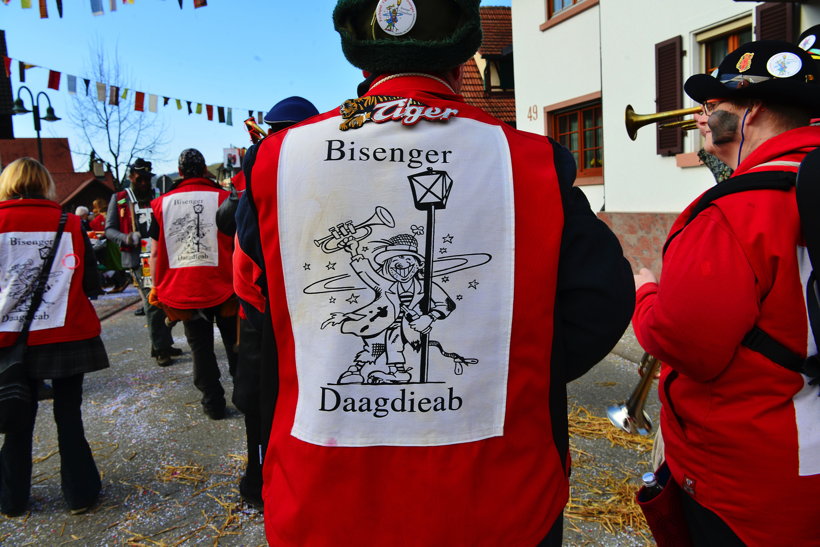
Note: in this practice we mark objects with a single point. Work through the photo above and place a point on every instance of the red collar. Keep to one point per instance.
(401, 84)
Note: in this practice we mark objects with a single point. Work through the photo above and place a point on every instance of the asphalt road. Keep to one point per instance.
(170, 474)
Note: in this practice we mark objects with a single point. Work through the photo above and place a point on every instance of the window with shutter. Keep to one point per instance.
(775, 22)
(669, 92)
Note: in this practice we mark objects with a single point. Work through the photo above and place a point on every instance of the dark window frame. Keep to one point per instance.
(578, 110)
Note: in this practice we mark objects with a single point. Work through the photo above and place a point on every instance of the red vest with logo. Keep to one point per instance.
(193, 267)
(27, 230)
(384, 433)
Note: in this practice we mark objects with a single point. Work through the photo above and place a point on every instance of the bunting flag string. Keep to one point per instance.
(96, 6)
(114, 95)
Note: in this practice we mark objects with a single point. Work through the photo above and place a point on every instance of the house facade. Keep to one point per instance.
(579, 63)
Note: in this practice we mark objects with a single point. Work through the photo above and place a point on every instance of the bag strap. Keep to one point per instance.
(764, 180)
(42, 279)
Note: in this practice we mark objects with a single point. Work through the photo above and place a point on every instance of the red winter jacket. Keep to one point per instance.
(741, 432)
(26, 227)
(193, 266)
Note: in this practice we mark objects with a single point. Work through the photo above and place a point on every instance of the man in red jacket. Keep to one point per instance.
(359, 214)
(193, 273)
(740, 429)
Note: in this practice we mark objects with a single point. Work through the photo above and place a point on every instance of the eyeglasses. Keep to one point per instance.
(710, 106)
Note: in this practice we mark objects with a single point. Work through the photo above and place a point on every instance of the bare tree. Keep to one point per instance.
(115, 133)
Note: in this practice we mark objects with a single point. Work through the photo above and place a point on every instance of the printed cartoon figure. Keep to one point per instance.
(391, 17)
(24, 276)
(393, 320)
(189, 231)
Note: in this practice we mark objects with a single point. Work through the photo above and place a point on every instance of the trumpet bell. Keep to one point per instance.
(620, 417)
(634, 122)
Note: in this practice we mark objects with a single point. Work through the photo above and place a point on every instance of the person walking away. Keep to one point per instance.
(191, 266)
(64, 338)
(739, 429)
(128, 224)
(446, 258)
(253, 380)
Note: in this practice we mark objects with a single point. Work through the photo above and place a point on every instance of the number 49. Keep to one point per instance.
(532, 113)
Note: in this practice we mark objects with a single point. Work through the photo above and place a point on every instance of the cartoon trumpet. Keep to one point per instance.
(381, 217)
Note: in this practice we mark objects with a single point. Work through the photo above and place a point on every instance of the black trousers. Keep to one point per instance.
(158, 332)
(78, 473)
(199, 332)
(705, 527)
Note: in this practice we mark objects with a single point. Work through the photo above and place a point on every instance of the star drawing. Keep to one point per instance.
(447, 239)
(442, 251)
(445, 279)
(473, 284)
(332, 299)
(354, 299)
(331, 266)
(306, 266)
(459, 297)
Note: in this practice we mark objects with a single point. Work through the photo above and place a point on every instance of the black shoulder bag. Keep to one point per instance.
(15, 393)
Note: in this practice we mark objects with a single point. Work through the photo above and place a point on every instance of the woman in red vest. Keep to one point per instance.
(64, 338)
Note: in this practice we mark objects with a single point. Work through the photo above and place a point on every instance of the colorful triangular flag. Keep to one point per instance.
(200, 3)
(97, 7)
(60, 8)
(25, 4)
(72, 84)
(152, 103)
(101, 92)
(139, 101)
(43, 10)
(220, 112)
(210, 110)
(114, 96)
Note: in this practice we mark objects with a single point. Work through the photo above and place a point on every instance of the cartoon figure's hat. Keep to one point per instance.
(399, 245)
(383, 36)
(770, 70)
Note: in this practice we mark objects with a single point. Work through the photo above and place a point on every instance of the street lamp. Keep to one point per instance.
(430, 192)
(20, 108)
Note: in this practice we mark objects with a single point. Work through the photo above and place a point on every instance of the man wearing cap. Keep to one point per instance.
(467, 444)
(127, 223)
(740, 430)
(252, 379)
(191, 266)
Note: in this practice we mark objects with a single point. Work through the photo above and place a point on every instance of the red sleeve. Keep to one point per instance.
(706, 301)
(246, 273)
(97, 223)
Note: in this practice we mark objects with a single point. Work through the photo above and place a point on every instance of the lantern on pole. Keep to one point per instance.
(430, 192)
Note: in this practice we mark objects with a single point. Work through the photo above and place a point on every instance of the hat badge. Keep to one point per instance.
(745, 62)
(396, 17)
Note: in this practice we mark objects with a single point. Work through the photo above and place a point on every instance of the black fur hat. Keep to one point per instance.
(382, 36)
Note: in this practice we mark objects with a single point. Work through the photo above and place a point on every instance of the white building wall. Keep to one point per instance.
(610, 49)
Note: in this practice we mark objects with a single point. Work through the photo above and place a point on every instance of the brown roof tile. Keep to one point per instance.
(496, 23)
(500, 104)
(57, 158)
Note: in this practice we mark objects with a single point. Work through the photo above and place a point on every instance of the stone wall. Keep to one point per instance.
(642, 236)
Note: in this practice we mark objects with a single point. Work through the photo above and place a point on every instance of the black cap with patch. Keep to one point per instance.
(770, 70)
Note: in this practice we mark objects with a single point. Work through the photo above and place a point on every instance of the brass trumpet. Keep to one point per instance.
(636, 121)
(630, 416)
(329, 244)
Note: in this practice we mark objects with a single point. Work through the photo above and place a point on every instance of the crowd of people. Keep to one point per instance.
(389, 398)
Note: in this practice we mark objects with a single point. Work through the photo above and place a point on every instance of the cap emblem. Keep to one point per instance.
(807, 42)
(784, 65)
(745, 62)
(396, 17)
